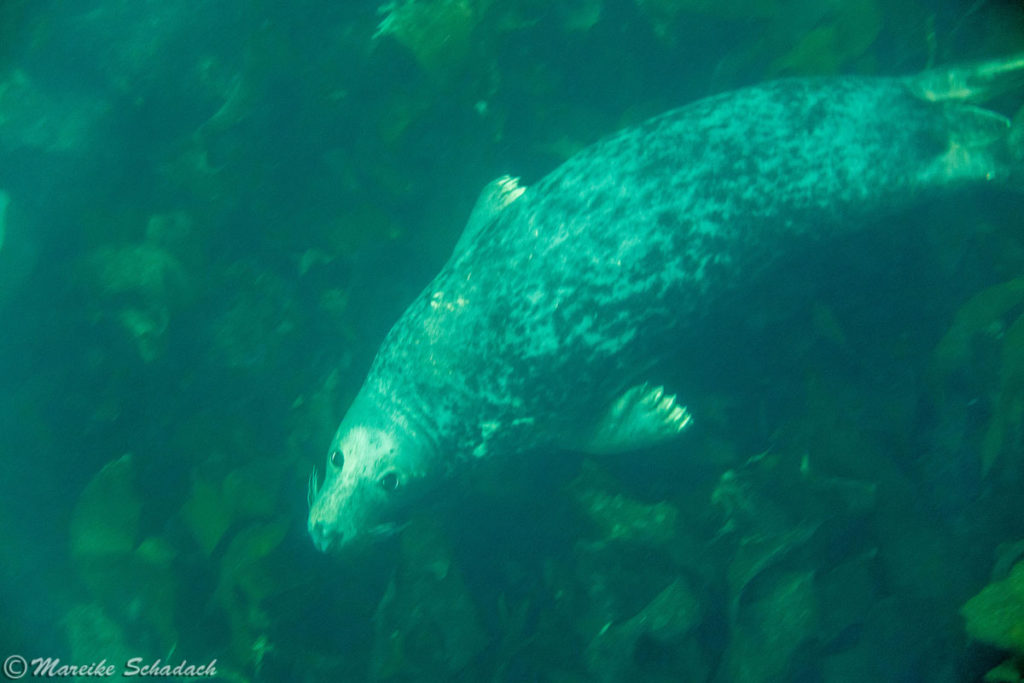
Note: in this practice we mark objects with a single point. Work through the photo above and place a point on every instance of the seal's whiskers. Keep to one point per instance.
(314, 486)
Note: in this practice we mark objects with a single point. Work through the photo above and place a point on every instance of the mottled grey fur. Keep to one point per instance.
(577, 289)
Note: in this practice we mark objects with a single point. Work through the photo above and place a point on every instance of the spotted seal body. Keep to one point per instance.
(547, 325)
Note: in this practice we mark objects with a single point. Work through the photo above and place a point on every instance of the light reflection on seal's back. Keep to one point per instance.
(548, 324)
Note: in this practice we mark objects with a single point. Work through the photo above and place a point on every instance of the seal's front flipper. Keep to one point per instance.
(971, 83)
(643, 416)
(493, 199)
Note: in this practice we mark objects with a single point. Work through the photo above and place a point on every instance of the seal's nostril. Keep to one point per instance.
(324, 538)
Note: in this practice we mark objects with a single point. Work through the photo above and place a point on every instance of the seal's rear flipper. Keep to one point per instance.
(643, 416)
(971, 83)
(979, 145)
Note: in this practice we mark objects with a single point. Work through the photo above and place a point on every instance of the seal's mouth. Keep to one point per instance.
(335, 542)
(386, 530)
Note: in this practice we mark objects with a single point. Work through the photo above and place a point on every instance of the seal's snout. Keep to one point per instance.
(324, 537)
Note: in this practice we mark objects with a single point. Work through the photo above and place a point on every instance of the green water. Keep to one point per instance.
(216, 210)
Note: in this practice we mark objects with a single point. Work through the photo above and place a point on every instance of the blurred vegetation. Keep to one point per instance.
(221, 208)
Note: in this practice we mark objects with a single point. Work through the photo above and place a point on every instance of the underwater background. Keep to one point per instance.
(212, 212)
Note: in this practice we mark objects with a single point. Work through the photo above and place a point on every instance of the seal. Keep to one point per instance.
(547, 326)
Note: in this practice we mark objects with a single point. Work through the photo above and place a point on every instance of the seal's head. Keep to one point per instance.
(374, 470)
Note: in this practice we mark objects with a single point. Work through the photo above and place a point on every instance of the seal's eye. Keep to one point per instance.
(337, 458)
(388, 481)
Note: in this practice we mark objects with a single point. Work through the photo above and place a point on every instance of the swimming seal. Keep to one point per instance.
(546, 326)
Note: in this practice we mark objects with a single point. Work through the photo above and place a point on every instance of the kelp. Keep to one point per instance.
(995, 615)
(843, 33)
(631, 597)
(661, 627)
(247, 578)
(90, 630)
(237, 527)
(437, 32)
(426, 627)
(779, 518)
(615, 516)
(664, 12)
(128, 576)
(984, 346)
(249, 492)
(771, 629)
(985, 313)
(137, 288)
